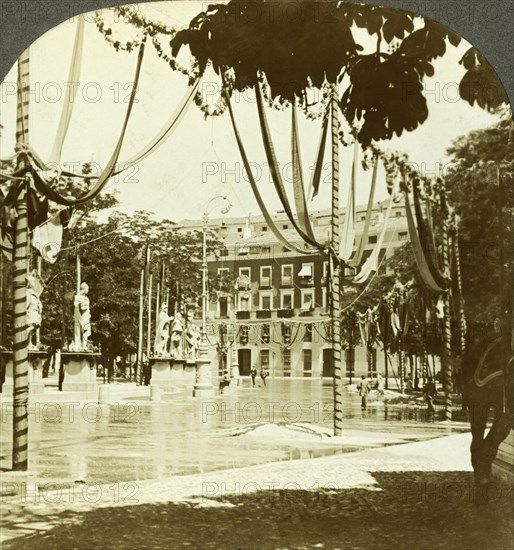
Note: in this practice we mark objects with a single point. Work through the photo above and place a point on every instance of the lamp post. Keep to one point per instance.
(203, 385)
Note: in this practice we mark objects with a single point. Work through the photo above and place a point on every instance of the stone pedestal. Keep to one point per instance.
(80, 372)
(189, 376)
(35, 371)
(234, 371)
(177, 372)
(162, 373)
(203, 385)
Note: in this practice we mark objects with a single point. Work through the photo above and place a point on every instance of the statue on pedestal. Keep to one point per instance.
(82, 320)
(162, 332)
(192, 339)
(34, 310)
(177, 330)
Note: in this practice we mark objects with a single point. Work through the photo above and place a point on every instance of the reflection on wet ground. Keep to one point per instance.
(135, 438)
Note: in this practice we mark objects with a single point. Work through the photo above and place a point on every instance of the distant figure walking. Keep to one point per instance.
(380, 384)
(264, 375)
(429, 390)
(253, 374)
(364, 388)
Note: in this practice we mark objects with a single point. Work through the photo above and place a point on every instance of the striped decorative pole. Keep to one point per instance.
(20, 266)
(336, 273)
(458, 275)
(447, 336)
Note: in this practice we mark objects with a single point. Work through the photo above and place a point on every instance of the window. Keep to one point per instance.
(223, 306)
(286, 333)
(223, 271)
(307, 300)
(264, 355)
(372, 239)
(239, 229)
(223, 252)
(243, 251)
(244, 302)
(286, 360)
(307, 360)
(306, 272)
(308, 333)
(265, 333)
(402, 235)
(398, 213)
(265, 301)
(362, 218)
(266, 249)
(264, 228)
(265, 276)
(286, 301)
(243, 334)
(285, 226)
(255, 250)
(287, 275)
(325, 272)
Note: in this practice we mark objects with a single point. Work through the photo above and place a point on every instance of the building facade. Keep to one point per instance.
(275, 301)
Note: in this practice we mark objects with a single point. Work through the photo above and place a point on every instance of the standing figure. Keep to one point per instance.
(34, 310)
(429, 391)
(264, 375)
(177, 330)
(82, 319)
(380, 384)
(192, 339)
(162, 332)
(364, 388)
(253, 374)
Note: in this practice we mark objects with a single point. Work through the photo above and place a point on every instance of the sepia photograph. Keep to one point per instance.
(256, 278)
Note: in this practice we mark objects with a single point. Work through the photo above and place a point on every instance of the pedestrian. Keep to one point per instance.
(429, 390)
(408, 384)
(380, 384)
(253, 374)
(264, 375)
(363, 388)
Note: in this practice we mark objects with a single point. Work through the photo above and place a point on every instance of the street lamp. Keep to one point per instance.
(203, 385)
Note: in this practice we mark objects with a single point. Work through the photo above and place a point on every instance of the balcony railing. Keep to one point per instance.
(263, 313)
(286, 312)
(243, 314)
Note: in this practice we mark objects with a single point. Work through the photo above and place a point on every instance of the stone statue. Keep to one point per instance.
(82, 319)
(162, 332)
(34, 310)
(192, 339)
(177, 330)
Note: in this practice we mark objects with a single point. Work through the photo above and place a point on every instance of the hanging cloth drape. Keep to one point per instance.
(71, 92)
(269, 220)
(371, 264)
(298, 188)
(53, 195)
(356, 260)
(425, 238)
(348, 235)
(275, 170)
(418, 252)
(318, 167)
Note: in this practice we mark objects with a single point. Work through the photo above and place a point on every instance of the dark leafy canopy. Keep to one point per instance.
(473, 186)
(303, 44)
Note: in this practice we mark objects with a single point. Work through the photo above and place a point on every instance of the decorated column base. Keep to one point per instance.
(234, 376)
(80, 372)
(177, 372)
(189, 377)
(162, 373)
(36, 359)
(203, 385)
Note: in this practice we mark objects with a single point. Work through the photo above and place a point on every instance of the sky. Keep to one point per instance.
(201, 159)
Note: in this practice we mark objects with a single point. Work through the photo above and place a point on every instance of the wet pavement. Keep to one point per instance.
(137, 439)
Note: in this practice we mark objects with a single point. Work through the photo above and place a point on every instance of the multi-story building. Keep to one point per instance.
(277, 301)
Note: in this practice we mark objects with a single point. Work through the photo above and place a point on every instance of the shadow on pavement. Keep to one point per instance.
(412, 510)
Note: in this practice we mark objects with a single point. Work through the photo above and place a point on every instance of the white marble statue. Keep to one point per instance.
(82, 320)
(192, 339)
(177, 330)
(162, 333)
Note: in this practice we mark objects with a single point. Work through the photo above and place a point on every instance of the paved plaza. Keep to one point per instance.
(254, 469)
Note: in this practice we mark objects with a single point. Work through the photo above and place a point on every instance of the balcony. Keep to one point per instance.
(306, 281)
(243, 314)
(285, 313)
(263, 314)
